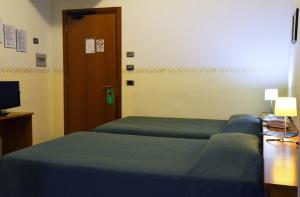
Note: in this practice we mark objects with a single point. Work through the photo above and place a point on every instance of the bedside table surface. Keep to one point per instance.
(280, 162)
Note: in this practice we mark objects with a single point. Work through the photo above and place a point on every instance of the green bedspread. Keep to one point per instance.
(93, 164)
(164, 127)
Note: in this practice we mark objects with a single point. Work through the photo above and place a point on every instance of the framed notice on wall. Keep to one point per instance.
(9, 36)
(1, 32)
(21, 40)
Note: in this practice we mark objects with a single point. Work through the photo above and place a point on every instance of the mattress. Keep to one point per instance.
(103, 164)
(164, 127)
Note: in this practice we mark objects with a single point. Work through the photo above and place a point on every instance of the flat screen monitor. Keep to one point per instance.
(9, 95)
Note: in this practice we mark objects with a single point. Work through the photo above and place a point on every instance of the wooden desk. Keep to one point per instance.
(280, 167)
(16, 131)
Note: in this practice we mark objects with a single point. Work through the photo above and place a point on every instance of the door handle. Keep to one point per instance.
(107, 86)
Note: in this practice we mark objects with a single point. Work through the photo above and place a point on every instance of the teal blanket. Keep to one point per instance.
(164, 127)
(110, 165)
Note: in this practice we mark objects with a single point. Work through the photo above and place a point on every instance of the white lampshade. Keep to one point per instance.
(286, 106)
(271, 94)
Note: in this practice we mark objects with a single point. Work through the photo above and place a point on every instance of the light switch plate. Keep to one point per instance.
(130, 54)
(129, 67)
(35, 41)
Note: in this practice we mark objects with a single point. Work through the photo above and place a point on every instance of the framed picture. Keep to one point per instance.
(295, 26)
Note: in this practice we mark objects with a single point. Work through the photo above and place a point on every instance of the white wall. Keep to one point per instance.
(294, 72)
(34, 17)
(219, 56)
(194, 58)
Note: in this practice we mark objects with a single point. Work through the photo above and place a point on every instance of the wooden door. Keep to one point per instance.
(92, 67)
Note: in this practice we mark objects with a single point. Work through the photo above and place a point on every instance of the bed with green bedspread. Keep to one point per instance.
(164, 127)
(182, 127)
(90, 164)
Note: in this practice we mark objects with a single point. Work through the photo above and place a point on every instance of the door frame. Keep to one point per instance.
(118, 13)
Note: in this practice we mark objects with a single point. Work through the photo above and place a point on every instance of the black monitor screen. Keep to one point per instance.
(9, 94)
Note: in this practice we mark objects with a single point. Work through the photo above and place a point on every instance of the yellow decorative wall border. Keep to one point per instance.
(57, 70)
(144, 70)
(25, 70)
(191, 70)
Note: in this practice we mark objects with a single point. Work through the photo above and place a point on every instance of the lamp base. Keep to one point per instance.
(284, 139)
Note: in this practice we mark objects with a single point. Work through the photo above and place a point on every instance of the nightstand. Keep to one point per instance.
(15, 131)
(280, 167)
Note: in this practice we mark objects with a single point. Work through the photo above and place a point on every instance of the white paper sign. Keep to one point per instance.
(100, 45)
(89, 46)
(21, 40)
(9, 36)
(1, 32)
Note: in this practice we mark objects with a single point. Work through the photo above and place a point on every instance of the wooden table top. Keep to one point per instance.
(280, 162)
(13, 115)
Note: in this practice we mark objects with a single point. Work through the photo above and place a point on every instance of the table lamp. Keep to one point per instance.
(271, 95)
(285, 106)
